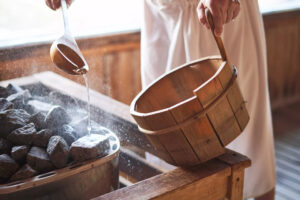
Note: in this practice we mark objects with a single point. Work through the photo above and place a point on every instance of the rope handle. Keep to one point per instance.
(197, 116)
(217, 39)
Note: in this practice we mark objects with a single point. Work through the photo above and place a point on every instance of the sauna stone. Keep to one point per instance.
(3, 92)
(39, 106)
(89, 147)
(80, 127)
(58, 151)
(56, 117)
(39, 160)
(23, 135)
(12, 119)
(5, 146)
(5, 105)
(13, 88)
(42, 137)
(39, 120)
(66, 132)
(7, 166)
(25, 172)
(19, 153)
(59, 98)
(19, 99)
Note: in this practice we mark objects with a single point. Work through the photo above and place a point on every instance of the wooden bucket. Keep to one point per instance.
(190, 114)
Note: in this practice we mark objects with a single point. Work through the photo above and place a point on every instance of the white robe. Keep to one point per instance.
(172, 36)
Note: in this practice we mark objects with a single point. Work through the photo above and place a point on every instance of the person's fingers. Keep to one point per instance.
(56, 4)
(218, 23)
(201, 14)
(218, 20)
(48, 3)
(69, 2)
(230, 11)
(222, 10)
(236, 10)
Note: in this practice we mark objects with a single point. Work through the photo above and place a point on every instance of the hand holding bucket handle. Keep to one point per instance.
(218, 40)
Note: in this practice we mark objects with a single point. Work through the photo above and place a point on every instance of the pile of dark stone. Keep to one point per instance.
(37, 136)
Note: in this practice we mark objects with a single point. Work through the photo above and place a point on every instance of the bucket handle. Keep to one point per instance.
(217, 39)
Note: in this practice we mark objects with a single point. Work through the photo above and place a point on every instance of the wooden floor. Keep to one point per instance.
(287, 148)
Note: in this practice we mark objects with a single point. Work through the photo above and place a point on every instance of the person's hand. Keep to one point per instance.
(223, 11)
(55, 4)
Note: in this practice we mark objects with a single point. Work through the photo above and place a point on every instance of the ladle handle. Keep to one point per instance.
(65, 16)
(218, 39)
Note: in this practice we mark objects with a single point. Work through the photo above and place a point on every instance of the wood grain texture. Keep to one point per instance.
(238, 163)
(283, 50)
(189, 112)
(113, 60)
(222, 115)
(200, 133)
(179, 184)
(210, 181)
(236, 183)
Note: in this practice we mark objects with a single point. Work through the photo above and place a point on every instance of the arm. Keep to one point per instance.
(223, 11)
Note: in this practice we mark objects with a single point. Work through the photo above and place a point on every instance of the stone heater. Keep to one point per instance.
(46, 150)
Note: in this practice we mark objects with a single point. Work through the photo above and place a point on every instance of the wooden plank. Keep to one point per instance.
(224, 122)
(282, 29)
(181, 181)
(287, 165)
(180, 149)
(125, 70)
(236, 184)
(288, 183)
(200, 134)
(209, 180)
(175, 142)
(234, 96)
(282, 146)
(234, 159)
(221, 116)
(157, 144)
(25, 60)
(211, 188)
(285, 155)
(161, 150)
(238, 164)
(288, 192)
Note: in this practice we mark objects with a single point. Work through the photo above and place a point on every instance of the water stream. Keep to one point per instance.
(88, 105)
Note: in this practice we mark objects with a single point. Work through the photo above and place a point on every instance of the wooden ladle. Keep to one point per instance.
(64, 51)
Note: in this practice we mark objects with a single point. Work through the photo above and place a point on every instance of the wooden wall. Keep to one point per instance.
(115, 61)
(283, 49)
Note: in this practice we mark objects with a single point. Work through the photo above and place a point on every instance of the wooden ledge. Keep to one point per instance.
(210, 180)
(235, 160)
